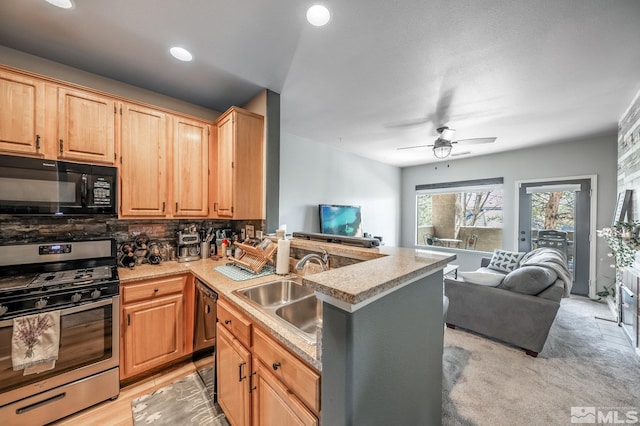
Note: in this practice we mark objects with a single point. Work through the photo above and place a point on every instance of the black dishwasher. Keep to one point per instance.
(204, 335)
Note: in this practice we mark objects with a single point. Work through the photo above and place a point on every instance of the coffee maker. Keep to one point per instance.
(188, 246)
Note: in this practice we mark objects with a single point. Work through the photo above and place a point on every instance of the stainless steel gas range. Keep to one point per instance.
(76, 283)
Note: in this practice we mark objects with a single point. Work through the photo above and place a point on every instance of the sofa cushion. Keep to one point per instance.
(529, 280)
(490, 279)
(505, 261)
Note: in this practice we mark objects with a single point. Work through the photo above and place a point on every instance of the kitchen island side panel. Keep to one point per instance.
(382, 364)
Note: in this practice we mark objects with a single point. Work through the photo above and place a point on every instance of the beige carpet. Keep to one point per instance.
(490, 383)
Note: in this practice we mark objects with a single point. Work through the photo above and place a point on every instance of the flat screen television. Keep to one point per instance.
(340, 220)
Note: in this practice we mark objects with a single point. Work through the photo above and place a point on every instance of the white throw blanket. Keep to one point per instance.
(35, 342)
(553, 259)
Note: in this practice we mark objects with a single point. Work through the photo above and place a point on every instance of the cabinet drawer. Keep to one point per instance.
(291, 371)
(153, 288)
(235, 322)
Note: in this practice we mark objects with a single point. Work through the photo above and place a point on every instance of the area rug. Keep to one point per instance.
(486, 382)
(183, 402)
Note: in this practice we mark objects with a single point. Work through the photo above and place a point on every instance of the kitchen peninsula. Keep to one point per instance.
(380, 350)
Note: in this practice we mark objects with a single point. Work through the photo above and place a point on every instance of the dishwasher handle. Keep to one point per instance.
(203, 288)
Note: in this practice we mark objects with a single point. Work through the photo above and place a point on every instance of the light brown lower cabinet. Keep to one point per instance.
(260, 382)
(155, 323)
(273, 403)
(233, 369)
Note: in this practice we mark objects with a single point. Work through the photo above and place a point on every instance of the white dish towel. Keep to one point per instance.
(35, 342)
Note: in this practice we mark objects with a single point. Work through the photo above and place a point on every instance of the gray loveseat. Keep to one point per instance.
(521, 308)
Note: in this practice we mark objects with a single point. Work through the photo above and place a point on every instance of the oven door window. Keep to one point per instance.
(85, 339)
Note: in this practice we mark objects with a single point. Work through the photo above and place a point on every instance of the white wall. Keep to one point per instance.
(312, 173)
(578, 158)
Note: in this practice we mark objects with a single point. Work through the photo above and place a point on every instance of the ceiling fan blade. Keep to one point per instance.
(407, 123)
(414, 147)
(475, 141)
(441, 114)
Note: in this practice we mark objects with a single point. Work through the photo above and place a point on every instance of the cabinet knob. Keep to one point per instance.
(227, 321)
(276, 365)
(155, 290)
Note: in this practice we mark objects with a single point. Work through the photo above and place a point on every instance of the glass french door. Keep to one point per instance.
(557, 214)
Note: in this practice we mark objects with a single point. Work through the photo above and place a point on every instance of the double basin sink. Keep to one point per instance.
(289, 302)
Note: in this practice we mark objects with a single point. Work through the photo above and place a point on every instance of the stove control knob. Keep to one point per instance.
(41, 303)
(3, 310)
(95, 294)
(76, 297)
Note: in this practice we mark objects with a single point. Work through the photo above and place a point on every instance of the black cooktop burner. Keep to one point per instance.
(37, 277)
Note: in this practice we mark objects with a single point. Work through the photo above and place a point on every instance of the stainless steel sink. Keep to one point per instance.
(276, 293)
(290, 303)
(305, 314)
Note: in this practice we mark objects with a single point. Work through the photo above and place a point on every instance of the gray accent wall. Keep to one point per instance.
(312, 173)
(272, 173)
(596, 155)
(382, 364)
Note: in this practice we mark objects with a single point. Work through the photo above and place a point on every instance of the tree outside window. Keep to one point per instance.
(470, 219)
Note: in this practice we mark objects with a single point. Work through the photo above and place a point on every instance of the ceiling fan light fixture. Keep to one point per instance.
(447, 134)
(442, 151)
(318, 15)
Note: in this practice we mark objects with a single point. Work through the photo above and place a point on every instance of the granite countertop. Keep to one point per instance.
(381, 270)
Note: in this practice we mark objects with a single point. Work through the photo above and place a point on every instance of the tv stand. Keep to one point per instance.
(338, 239)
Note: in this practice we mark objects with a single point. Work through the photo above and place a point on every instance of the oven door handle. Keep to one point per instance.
(68, 311)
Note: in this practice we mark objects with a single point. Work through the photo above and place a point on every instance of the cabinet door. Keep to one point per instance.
(86, 127)
(143, 179)
(233, 366)
(248, 173)
(153, 333)
(190, 167)
(21, 114)
(274, 404)
(225, 166)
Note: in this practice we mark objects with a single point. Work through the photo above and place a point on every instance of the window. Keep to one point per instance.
(466, 215)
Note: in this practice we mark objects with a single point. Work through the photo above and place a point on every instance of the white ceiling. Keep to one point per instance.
(527, 71)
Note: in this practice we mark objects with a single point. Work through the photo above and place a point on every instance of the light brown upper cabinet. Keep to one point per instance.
(238, 185)
(143, 168)
(22, 116)
(86, 127)
(190, 167)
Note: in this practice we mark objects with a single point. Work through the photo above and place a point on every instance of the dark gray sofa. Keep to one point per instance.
(506, 312)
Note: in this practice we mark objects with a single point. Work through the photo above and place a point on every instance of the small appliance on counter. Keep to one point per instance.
(188, 246)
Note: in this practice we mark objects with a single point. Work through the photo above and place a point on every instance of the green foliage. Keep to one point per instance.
(623, 241)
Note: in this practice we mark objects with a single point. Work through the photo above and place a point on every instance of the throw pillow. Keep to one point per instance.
(483, 278)
(505, 261)
(529, 280)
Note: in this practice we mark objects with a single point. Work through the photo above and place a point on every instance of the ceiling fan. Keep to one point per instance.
(442, 146)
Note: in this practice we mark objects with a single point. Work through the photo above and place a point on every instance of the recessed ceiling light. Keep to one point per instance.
(318, 15)
(181, 54)
(65, 4)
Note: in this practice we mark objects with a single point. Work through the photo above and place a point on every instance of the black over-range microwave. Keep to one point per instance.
(31, 186)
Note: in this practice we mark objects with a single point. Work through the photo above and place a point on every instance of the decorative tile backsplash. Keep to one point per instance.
(34, 229)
